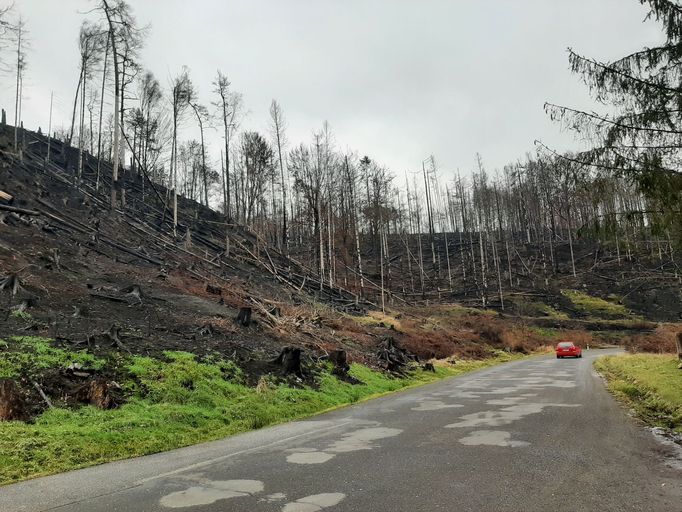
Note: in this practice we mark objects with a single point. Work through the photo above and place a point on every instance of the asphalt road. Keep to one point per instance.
(534, 435)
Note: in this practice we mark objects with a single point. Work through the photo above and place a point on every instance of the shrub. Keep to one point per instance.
(660, 341)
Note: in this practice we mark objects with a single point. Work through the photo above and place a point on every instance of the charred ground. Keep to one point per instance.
(112, 283)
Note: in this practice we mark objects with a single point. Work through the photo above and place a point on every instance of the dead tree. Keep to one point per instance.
(278, 126)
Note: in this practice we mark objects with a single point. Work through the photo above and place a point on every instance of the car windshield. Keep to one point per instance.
(565, 344)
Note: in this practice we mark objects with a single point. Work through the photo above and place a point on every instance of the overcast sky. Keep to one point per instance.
(397, 80)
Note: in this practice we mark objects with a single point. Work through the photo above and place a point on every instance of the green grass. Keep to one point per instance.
(25, 356)
(23, 315)
(174, 402)
(595, 306)
(550, 312)
(650, 383)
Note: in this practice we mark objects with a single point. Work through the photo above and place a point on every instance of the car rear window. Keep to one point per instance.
(565, 344)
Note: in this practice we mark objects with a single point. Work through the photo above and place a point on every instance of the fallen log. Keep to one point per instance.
(108, 297)
(42, 394)
(14, 209)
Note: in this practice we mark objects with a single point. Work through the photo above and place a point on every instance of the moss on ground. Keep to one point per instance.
(649, 383)
(172, 402)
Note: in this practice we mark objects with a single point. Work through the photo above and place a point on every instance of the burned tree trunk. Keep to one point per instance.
(392, 357)
(12, 405)
(244, 317)
(290, 361)
(339, 359)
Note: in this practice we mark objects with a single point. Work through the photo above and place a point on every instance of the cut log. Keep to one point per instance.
(5, 196)
(244, 317)
(12, 405)
(290, 361)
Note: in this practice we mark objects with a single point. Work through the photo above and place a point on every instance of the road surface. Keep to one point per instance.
(535, 435)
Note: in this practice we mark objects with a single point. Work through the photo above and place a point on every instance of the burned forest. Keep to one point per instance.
(155, 243)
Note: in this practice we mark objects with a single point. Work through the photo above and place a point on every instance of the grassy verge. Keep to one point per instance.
(649, 383)
(171, 403)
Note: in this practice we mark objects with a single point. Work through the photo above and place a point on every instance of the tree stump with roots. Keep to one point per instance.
(290, 361)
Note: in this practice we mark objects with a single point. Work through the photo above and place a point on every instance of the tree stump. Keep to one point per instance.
(678, 342)
(392, 357)
(12, 405)
(214, 290)
(244, 317)
(290, 361)
(428, 367)
(339, 359)
(98, 394)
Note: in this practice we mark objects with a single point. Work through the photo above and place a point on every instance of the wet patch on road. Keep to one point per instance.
(492, 438)
(434, 405)
(362, 439)
(314, 503)
(504, 416)
(310, 457)
(210, 492)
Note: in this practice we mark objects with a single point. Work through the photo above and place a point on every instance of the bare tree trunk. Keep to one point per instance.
(116, 141)
(101, 113)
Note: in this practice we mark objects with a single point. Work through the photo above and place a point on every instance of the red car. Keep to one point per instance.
(568, 349)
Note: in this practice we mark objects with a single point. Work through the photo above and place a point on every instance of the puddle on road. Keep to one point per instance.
(503, 416)
(210, 492)
(314, 503)
(354, 441)
(492, 438)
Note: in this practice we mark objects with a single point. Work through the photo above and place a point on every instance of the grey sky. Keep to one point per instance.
(396, 79)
